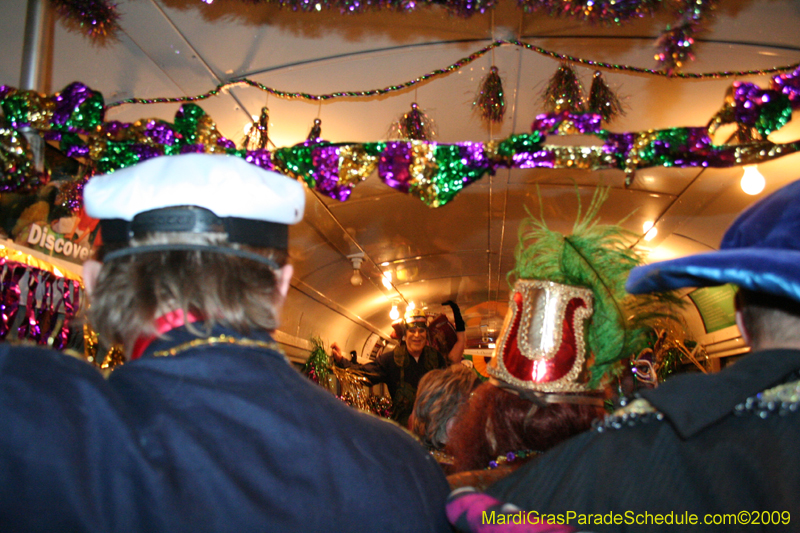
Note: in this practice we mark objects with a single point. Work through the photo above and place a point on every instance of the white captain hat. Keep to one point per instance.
(196, 193)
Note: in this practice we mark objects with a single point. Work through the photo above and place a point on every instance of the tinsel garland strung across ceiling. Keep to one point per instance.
(433, 172)
(454, 67)
(99, 18)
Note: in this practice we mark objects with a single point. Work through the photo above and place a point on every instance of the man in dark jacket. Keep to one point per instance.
(402, 368)
(714, 452)
(207, 427)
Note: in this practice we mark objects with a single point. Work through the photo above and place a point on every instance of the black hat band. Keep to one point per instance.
(192, 219)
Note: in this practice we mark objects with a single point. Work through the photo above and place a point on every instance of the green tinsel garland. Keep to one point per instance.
(318, 365)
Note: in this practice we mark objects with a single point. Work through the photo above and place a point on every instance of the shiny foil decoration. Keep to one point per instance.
(602, 100)
(355, 388)
(676, 46)
(599, 11)
(424, 168)
(298, 161)
(490, 101)
(26, 108)
(415, 125)
(564, 92)
(788, 84)
(37, 303)
(16, 162)
(96, 18)
(567, 123)
(542, 346)
(77, 108)
(257, 137)
(432, 172)
(411, 167)
(339, 168)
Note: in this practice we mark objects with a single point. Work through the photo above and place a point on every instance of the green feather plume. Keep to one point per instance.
(598, 257)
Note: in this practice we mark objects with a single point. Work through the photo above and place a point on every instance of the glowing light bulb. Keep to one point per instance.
(752, 181)
(387, 279)
(650, 231)
(394, 314)
(411, 306)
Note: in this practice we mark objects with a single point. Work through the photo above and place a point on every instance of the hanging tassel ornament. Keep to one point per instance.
(97, 18)
(564, 93)
(490, 102)
(677, 47)
(316, 131)
(257, 137)
(676, 42)
(414, 125)
(602, 99)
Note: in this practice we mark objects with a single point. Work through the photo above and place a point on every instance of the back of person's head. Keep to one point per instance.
(495, 422)
(759, 253)
(767, 320)
(440, 395)
(203, 234)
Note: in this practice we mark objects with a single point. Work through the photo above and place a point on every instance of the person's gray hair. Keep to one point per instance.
(440, 394)
(769, 320)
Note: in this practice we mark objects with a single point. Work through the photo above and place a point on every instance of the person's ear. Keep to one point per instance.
(740, 325)
(283, 279)
(91, 270)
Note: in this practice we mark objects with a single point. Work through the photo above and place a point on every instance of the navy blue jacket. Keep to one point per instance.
(216, 438)
(722, 447)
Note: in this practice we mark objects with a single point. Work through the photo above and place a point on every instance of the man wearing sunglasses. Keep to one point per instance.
(402, 368)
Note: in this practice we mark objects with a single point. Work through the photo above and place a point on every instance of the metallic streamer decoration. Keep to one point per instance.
(340, 168)
(490, 101)
(27, 108)
(600, 11)
(356, 163)
(16, 162)
(567, 123)
(70, 195)
(788, 84)
(257, 137)
(458, 165)
(298, 161)
(423, 168)
(77, 109)
(446, 71)
(318, 365)
(414, 125)
(676, 45)
(564, 92)
(47, 299)
(676, 42)
(756, 112)
(432, 172)
(602, 100)
(96, 18)
(316, 131)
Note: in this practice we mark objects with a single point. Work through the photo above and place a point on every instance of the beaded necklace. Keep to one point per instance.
(510, 457)
(222, 339)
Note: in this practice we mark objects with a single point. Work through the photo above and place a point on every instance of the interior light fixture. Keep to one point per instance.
(356, 279)
(410, 306)
(752, 181)
(387, 279)
(650, 231)
(394, 314)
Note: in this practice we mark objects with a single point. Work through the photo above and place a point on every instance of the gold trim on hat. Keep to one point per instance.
(538, 338)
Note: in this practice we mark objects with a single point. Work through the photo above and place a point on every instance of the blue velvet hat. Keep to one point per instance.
(759, 252)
